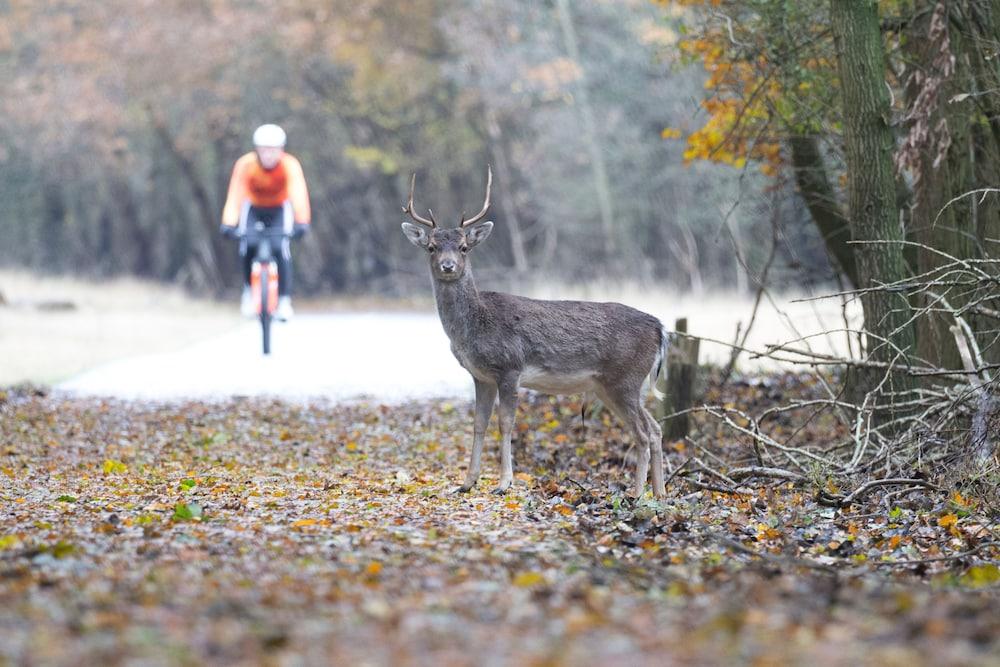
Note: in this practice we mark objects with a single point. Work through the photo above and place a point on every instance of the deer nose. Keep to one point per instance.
(448, 266)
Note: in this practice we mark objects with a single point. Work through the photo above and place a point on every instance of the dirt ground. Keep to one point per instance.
(267, 532)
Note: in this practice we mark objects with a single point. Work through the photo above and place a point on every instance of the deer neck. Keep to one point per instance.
(458, 303)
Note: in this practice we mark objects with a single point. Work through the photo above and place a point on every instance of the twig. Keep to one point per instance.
(771, 558)
(951, 201)
(677, 472)
(758, 471)
(861, 491)
(937, 559)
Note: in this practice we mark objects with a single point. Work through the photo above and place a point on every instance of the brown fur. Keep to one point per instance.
(564, 347)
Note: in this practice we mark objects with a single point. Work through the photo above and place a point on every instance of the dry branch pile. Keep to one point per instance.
(938, 431)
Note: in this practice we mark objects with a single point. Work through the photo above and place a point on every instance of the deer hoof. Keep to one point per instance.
(500, 490)
(465, 488)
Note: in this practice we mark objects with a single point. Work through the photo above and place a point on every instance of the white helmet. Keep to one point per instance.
(269, 136)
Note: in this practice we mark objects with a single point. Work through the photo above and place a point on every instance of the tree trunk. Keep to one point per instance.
(512, 222)
(53, 247)
(872, 193)
(814, 186)
(981, 30)
(602, 185)
(937, 151)
(208, 215)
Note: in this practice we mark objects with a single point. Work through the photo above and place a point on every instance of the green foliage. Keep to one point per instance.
(368, 156)
(187, 512)
(979, 576)
(113, 467)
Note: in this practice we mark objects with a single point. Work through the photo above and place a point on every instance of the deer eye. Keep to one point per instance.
(431, 249)
(464, 249)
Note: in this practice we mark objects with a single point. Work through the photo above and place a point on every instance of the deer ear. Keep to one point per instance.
(416, 234)
(477, 233)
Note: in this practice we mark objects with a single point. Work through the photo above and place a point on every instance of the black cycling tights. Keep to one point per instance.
(282, 255)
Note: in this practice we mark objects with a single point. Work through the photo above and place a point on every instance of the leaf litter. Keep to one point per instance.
(268, 531)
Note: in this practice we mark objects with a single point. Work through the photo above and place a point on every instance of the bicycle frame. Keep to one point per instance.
(264, 276)
(262, 303)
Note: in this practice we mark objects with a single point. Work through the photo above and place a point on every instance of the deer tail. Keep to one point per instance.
(660, 363)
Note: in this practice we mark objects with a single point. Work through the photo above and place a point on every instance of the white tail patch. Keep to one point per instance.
(660, 363)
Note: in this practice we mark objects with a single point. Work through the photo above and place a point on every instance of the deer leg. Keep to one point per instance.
(507, 388)
(629, 411)
(642, 450)
(486, 396)
(656, 449)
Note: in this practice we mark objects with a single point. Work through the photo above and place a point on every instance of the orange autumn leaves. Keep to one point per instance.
(746, 96)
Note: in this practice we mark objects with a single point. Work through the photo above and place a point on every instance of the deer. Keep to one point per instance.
(506, 342)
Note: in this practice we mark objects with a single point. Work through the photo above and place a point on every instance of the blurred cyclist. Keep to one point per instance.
(267, 185)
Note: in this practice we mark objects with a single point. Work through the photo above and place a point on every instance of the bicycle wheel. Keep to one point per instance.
(265, 313)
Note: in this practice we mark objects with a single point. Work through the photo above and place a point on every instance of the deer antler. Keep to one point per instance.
(479, 216)
(408, 209)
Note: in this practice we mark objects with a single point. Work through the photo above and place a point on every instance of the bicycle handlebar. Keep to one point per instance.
(274, 233)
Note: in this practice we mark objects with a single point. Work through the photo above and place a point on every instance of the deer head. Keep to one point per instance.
(448, 247)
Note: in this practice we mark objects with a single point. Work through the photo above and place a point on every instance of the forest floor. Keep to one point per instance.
(265, 531)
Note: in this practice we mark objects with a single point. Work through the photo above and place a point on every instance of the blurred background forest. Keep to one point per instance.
(122, 119)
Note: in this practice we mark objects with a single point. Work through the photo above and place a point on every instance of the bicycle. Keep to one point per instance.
(264, 275)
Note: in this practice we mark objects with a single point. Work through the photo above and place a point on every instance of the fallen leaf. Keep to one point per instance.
(528, 579)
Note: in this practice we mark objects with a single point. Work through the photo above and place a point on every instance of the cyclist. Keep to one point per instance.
(267, 185)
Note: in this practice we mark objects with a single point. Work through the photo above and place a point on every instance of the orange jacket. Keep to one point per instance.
(267, 188)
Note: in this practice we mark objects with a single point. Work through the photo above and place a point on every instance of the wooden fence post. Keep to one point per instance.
(679, 387)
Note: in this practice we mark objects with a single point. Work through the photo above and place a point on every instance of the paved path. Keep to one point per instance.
(391, 356)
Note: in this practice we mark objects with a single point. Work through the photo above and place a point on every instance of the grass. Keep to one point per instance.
(108, 320)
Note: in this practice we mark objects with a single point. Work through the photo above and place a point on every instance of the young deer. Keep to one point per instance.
(556, 347)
